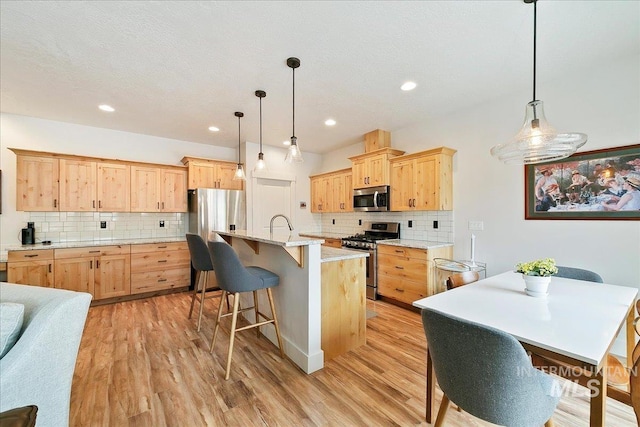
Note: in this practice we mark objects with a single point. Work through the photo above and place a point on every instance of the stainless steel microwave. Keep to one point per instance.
(373, 199)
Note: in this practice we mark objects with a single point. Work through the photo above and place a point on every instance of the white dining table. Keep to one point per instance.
(577, 323)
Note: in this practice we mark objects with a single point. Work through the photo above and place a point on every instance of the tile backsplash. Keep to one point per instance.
(85, 226)
(421, 229)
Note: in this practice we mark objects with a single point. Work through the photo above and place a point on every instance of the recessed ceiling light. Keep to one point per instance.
(287, 142)
(330, 122)
(107, 108)
(213, 129)
(408, 86)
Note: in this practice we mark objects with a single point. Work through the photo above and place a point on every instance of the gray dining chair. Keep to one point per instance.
(234, 278)
(579, 274)
(201, 262)
(487, 373)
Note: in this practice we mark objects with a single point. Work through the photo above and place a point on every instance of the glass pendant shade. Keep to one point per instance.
(538, 141)
(294, 155)
(260, 165)
(239, 175)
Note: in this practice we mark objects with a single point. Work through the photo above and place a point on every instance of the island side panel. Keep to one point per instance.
(344, 306)
(297, 301)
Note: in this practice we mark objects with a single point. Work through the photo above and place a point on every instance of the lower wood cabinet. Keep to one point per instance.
(159, 266)
(31, 267)
(406, 274)
(102, 271)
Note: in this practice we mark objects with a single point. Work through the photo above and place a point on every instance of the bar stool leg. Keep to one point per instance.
(205, 279)
(215, 330)
(195, 291)
(255, 307)
(234, 320)
(275, 321)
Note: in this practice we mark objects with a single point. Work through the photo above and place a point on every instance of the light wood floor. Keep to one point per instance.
(141, 363)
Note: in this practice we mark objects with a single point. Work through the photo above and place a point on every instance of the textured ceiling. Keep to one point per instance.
(172, 69)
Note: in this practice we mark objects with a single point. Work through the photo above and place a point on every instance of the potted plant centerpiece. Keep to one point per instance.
(537, 275)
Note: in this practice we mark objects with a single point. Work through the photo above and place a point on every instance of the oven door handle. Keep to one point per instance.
(375, 199)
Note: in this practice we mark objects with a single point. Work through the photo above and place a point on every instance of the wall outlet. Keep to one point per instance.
(359, 222)
(333, 221)
(161, 224)
(435, 224)
(476, 225)
(410, 224)
(303, 205)
(103, 224)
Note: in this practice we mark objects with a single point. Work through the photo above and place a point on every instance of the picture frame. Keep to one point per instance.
(585, 186)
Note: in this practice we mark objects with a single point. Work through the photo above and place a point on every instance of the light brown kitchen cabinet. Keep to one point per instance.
(209, 173)
(113, 187)
(103, 271)
(156, 189)
(31, 267)
(372, 169)
(332, 192)
(406, 274)
(376, 139)
(159, 266)
(422, 181)
(36, 183)
(77, 185)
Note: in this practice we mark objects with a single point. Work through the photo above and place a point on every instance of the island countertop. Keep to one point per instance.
(328, 254)
(278, 238)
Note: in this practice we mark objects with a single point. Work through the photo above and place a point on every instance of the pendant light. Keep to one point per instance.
(260, 164)
(293, 155)
(537, 141)
(239, 175)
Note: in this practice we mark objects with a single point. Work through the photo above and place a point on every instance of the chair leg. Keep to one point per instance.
(275, 321)
(195, 291)
(205, 279)
(549, 423)
(255, 308)
(442, 412)
(234, 320)
(215, 330)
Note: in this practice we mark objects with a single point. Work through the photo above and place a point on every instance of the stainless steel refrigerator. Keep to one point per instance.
(211, 210)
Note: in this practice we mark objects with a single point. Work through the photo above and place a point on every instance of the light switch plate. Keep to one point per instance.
(476, 225)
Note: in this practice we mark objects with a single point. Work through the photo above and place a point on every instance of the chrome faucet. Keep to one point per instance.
(283, 216)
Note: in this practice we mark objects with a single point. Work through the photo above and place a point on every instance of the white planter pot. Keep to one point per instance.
(536, 285)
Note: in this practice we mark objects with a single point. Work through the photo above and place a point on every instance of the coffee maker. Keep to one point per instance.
(29, 234)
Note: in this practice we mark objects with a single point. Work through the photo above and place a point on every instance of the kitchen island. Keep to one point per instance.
(320, 299)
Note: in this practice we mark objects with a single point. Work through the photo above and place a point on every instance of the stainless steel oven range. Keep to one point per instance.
(366, 241)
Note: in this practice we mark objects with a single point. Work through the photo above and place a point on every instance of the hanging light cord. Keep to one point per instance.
(294, 102)
(534, 48)
(261, 125)
(238, 140)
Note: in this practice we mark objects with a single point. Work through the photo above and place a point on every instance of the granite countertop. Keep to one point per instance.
(280, 238)
(323, 234)
(418, 244)
(87, 243)
(329, 254)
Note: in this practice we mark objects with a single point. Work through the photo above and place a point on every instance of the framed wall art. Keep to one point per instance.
(597, 185)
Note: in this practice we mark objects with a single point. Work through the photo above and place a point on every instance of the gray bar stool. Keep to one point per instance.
(234, 278)
(201, 262)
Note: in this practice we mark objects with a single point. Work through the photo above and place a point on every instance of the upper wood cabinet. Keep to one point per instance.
(372, 169)
(422, 181)
(208, 173)
(155, 189)
(332, 192)
(37, 183)
(69, 183)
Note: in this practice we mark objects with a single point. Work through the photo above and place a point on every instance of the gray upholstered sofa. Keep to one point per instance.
(38, 368)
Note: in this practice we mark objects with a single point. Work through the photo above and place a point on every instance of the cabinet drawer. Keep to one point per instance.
(92, 251)
(153, 247)
(161, 279)
(403, 268)
(159, 260)
(401, 290)
(32, 255)
(402, 251)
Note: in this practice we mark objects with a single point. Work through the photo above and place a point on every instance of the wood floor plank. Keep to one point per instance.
(142, 363)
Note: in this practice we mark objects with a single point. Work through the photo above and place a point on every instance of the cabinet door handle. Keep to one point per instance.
(50, 267)
(91, 265)
(399, 290)
(31, 256)
(93, 203)
(94, 252)
(162, 260)
(162, 280)
(97, 263)
(158, 205)
(399, 267)
(55, 203)
(400, 251)
(100, 204)
(162, 205)
(414, 203)
(162, 247)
